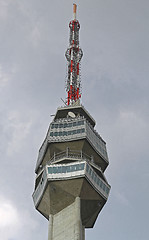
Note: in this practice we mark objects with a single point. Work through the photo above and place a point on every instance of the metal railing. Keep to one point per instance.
(70, 155)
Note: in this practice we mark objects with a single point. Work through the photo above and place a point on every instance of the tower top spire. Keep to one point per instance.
(74, 11)
(73, 55)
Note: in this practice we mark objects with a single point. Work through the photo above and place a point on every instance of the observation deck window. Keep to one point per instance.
(66, 169)
(68, 124)
(67, 133)
(63, 169)
(64, 133)
(107, 190)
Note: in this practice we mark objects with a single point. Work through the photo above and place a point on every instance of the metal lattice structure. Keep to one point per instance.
(73, 55)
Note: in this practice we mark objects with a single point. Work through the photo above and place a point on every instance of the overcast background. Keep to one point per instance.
(114, 37)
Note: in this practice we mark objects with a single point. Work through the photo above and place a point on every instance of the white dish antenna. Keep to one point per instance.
(71, 114)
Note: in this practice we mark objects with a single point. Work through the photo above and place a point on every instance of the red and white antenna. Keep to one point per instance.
(73, 55)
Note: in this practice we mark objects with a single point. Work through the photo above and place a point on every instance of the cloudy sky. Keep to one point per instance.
(114, 37)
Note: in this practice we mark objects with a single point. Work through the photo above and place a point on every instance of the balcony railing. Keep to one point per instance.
(70, 155)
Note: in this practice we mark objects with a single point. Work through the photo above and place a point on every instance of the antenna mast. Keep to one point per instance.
(73, 55)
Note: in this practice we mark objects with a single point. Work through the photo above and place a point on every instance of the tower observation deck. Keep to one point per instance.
(70, 186)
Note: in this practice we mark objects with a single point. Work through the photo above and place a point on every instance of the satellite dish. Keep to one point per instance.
(71, 114)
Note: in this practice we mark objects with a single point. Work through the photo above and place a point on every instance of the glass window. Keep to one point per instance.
(63, 169)
(93, 174)
(82, 130)
(90, 171)
(51, 134)
(74, 124)
(78, 130)
(69, 124)
(55, 169)
(104, 152)
(61, 125)
(107, 190)
(74, 131)
(52, 126)
(59, 169)
(95, 178)
(60, 133)
(65, 125)
(103, 186)
(101, 183)
(73, 168)
(69, 132)
(77, 167)
(50, 170)
(68, 168)
(56, 134)
(98, 181)
(64, 133)
(56, 125)
(82, 166)
(79, 123)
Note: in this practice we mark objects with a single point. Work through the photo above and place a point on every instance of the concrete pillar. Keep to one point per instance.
(66, 224)
(50, 229)
(78, 224)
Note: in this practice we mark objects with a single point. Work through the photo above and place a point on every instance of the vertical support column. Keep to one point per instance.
(79, 229)
(67, 224)
(50, 230)
(81, 155)
(67, 152)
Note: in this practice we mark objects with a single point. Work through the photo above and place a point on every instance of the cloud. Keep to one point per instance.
(133, 125)
(9, 219)
(35, 36)
(8, 214)
(18, 128)
(7, 75)
(4, 77)
(4, 8)
(13, 221)
(122, 199)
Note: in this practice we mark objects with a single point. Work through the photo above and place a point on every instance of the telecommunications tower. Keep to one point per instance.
(70, 185)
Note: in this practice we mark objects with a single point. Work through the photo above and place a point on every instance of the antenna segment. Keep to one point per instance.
(73, 55)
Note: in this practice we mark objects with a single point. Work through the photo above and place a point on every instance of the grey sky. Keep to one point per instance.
(114, 37)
